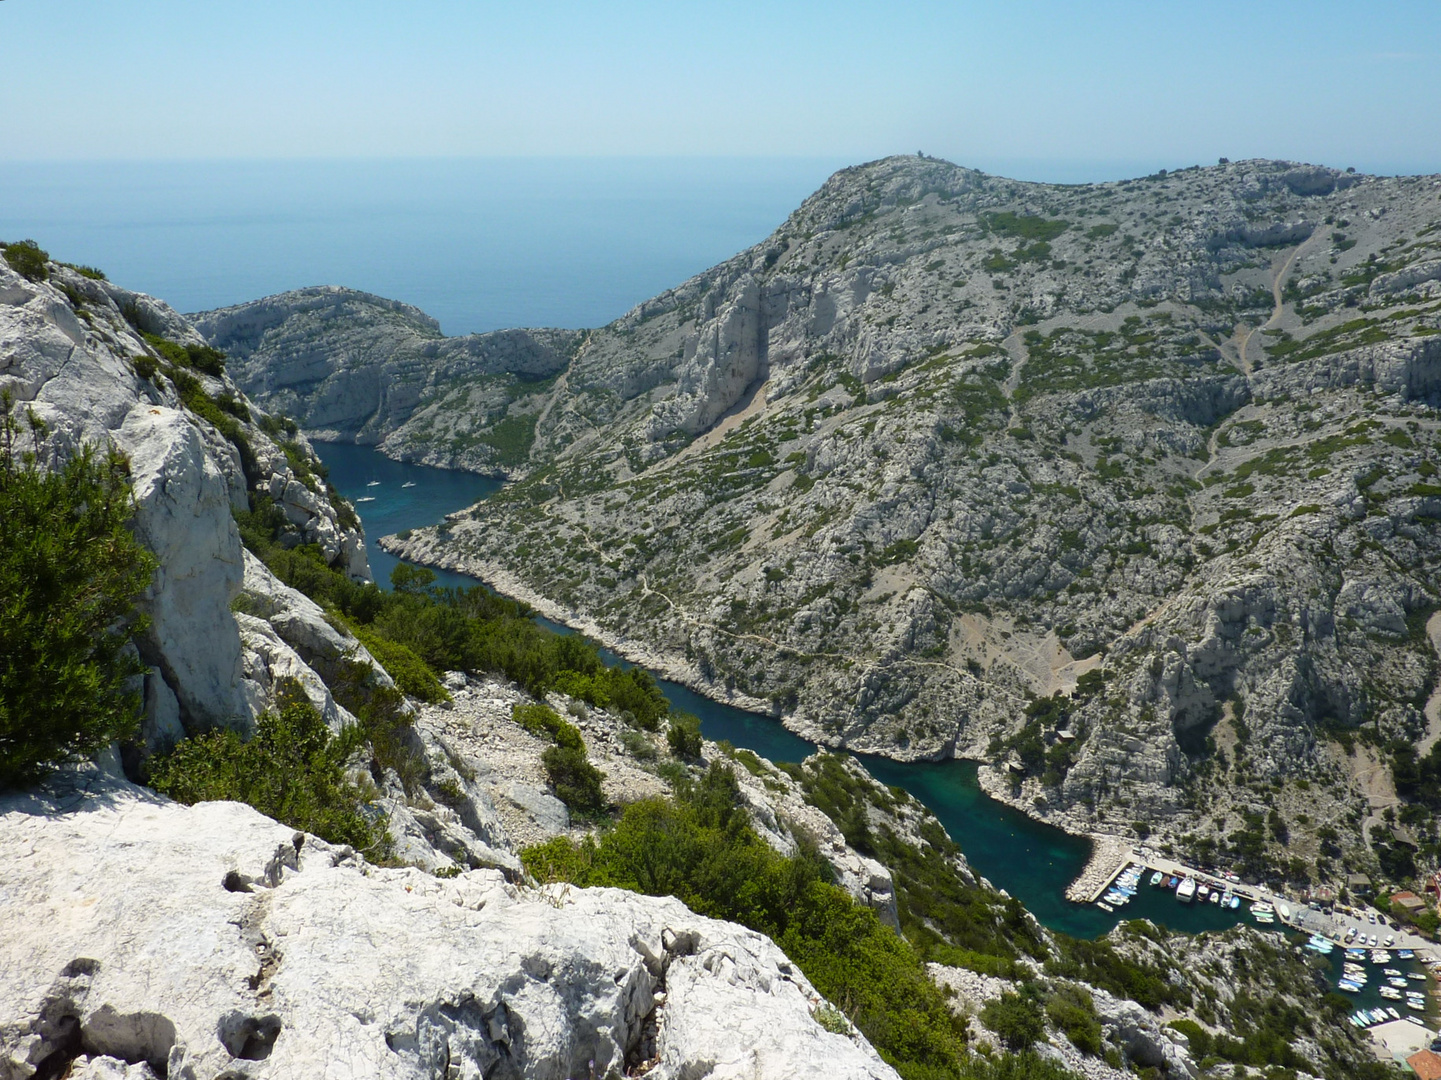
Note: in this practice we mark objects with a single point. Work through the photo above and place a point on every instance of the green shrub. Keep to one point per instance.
(684, 737)
(539, 719)
(701, 849)
(410, 672)
(70, 571)
(1015, 1019)
(27, 259)
(575, 779)
(292, 770)
(1072, 1009)
(145, 366)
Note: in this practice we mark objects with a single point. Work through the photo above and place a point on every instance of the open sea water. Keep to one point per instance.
(480, 244)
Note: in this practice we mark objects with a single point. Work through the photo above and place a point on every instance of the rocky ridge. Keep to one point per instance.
(945, 442)
(303, 938)
(355, 367)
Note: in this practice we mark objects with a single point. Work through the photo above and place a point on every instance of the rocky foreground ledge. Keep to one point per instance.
(141, 938)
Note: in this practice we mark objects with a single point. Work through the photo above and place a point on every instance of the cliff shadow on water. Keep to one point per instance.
(1029, 859)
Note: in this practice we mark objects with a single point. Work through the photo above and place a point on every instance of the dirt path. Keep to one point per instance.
(1278, 286)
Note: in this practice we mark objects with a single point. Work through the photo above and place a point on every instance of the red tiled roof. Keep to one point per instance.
(1426, 1064)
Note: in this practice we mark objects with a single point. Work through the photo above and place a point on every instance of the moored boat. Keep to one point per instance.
(1186, 891)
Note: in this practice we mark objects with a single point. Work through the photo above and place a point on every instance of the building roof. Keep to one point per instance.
(1408, 899)
(1426, 1064)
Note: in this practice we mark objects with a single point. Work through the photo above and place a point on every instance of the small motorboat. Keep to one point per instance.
(1419, 976)
(1399, 984)
(1203, 891)
(1392, 1013)
(1405, 954)
(1395, 973)
(365, 499)
(1390, 993)
(1186, 891)
(373, 483)
(408, 483)
(1156, 878)
(1235, 902)
(1215, 897)
(1104, 906)
(1349, 986)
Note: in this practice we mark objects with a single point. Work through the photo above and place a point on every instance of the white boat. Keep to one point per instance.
(1261, 907)
(1265, 918)
(1215, 898)
(1203, 891)
(1156, 878)
(1419, 976)
(1349, 986)
(1285, 912)
(1235, 902)
(1186, 891)
(373, 483)
(1417, 1006)
(365, 499)
(1390, 993)
(1395, 973)
(408, 483)
(1104, 906)
(1393, 1013)
(1399, 984)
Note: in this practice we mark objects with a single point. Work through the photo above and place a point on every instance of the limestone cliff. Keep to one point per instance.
(73, 350)
(350, 366)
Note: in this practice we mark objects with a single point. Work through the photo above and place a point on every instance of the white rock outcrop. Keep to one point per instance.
(139, 938)
(72, 350)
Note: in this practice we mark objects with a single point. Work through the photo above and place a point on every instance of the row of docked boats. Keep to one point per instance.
(1122, 889)
(1189, 888)
(1367, 1017)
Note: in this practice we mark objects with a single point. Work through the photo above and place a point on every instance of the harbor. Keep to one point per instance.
(1388, 972)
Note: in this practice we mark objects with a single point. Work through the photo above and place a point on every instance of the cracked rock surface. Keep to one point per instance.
(209, 941)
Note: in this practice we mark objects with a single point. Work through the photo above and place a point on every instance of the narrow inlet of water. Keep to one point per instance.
(1029, 859)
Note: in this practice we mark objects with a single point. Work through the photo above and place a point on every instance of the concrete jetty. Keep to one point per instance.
(1109, 856)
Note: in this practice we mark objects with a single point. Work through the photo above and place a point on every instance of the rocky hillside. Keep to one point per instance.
(945, 442)
(350, 366)
(97, 363)
(210, 941)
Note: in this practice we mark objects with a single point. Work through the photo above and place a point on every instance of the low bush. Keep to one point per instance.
(27, 259)
(575, 779)
(292, 770)
(684, 737)
(70, 572)
(1016, 1020)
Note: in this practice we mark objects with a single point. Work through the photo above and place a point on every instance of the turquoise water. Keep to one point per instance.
(1029, 859)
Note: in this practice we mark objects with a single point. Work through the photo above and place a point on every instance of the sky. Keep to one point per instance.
(1030, 88)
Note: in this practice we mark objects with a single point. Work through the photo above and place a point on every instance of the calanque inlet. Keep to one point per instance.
(985, 630)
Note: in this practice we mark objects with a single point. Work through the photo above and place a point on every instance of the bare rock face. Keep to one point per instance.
(354, 367)
(73, 352)
(209, 941)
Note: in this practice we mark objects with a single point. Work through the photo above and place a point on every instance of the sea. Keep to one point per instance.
(480, 244)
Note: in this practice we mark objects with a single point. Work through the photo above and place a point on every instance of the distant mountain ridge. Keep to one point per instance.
(947, 443)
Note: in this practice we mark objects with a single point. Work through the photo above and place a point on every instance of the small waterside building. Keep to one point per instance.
(1408, 902)
(1426, 1065)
